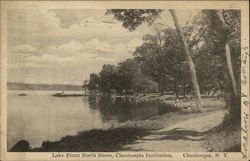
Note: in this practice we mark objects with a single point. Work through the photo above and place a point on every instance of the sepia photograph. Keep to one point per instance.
(125, 80)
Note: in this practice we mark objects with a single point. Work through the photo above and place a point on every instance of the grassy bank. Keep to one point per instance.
(224, 138)
(94, 140)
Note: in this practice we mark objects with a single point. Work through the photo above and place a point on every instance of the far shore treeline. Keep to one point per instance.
(51, 87)
(159, 64)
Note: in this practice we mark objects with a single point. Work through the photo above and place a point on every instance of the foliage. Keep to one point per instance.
(162, 59)
(93, 84)
(144, 84)
(121, 78)
(127, 71)
(108, 77)
(159, 63)
(132, 18)
(207, 41)
(85, 84)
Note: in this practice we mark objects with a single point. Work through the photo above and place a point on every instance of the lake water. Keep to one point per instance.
(39, 116)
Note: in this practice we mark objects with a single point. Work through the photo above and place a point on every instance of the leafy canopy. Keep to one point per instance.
(132, 18)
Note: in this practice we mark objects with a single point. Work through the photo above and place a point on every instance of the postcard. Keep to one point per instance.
(125, 80)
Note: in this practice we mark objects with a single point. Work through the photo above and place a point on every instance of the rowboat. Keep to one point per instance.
(22, 94)
(67, 95)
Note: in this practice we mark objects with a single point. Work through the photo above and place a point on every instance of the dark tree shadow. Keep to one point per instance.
(132, 149)
(95, 140)
(178, 134)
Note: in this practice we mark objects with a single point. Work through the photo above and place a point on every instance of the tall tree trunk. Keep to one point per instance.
(227, 57)
(227, 90)
(232, 96)
(190, 64)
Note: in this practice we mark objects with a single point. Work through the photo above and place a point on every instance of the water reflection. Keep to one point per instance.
(122, 109)
(39, 116)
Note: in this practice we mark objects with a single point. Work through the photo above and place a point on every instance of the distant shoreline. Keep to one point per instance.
(43, 87)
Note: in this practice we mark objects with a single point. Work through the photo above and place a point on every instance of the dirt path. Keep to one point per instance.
(182, 136)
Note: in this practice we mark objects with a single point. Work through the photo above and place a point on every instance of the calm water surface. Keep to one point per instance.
(39, 116)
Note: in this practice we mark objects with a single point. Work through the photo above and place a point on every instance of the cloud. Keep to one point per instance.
(73, 53)
(67, 45)
(24, 48)
(72, 48)
(43, 27)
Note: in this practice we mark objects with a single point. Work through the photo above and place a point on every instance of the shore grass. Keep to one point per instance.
(224, 137)
(226, 140)
(96, 140)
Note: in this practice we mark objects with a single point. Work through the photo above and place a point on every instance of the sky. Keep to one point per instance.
(63, 46)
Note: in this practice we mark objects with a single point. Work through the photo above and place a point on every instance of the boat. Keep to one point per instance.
(22, 94)
(67, 95)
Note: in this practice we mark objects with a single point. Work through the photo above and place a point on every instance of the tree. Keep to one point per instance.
(132, 18)
(127, 71)
(85, 85)
(144, 84)
(108, 78)
(233, 98)
(94, 82)
(203, 43)
(219, 33)
(152, 60)
(227, 54)
(190, 63)
(163, 60)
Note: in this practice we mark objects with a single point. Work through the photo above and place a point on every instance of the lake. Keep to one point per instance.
(40, 117)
